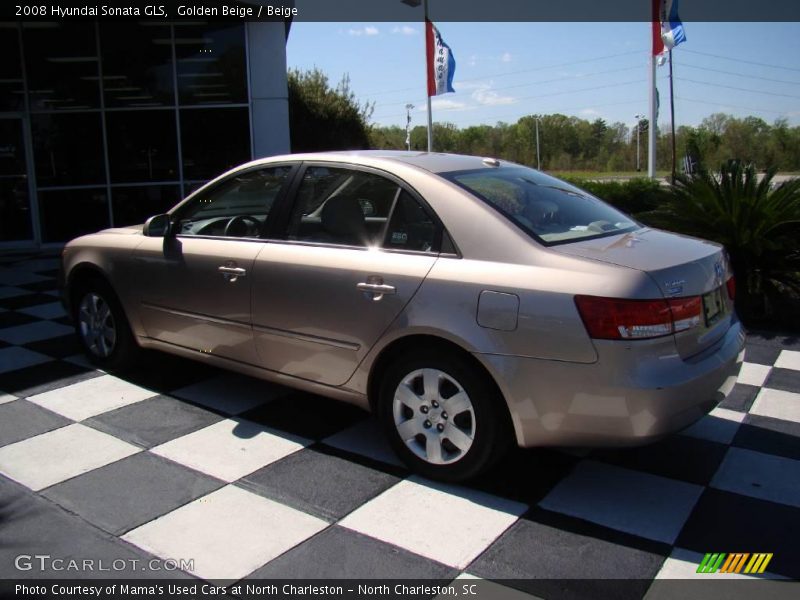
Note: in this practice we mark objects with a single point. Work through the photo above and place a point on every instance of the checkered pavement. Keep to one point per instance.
(252, 480)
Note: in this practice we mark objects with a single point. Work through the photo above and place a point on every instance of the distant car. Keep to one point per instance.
(469, 302)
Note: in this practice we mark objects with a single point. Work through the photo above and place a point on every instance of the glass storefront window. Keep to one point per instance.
(66, 214)
(15, 208)
(142, 145)
(211, 63)
(68, 149)
(141, 78)
(62, 65)
(214, 140)
(12, 93)
(133, 205)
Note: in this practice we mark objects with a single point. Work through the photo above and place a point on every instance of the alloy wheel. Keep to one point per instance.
(97, 326)
(434, 416)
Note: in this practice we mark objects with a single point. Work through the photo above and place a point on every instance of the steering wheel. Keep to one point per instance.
(251, 224)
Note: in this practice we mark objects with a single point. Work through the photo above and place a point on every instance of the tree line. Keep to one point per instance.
(324, 117)
(571, 143)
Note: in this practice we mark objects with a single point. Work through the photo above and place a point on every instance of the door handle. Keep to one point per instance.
(377, 288)
(232, 273)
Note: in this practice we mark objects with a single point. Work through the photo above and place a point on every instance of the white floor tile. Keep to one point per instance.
(14, 357)
(788, 359)
(366, 439)
(646, 505)
(58, 455)
(52, 310)
(6, 398)
(232, 394)
(682, 564)
(777, 404)
(720, 425)
(34, 332)
(229, 533)
(759, 475)
(753, 374)
(230, 449)
(448, 524)
(92, 397)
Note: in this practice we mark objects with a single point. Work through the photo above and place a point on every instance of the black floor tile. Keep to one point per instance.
(320, 484)
(762, 355)
(44, 377)
(48, 285)
(726, 522)
(20, 420)
(783, 379)
(677, 457)
(307, 415)
(153, 421)
(26, 301)
(553, 556)
(164, 372)
(525, 474)
(32, 525)
(58, 347)
(741, 397)
(11, 318)
(131, 491)
(770, 436)
(339, 553)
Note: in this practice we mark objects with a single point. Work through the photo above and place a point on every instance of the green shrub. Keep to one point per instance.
(632, 196)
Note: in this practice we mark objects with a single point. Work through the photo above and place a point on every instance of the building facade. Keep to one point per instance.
(105, 123)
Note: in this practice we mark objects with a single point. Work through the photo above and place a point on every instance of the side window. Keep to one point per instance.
(342, 206)
(410, 228)
(237, 207)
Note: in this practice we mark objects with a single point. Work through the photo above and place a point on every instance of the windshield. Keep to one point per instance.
(554, 211)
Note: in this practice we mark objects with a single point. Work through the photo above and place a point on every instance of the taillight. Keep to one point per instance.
(618, 319)
(731, 285)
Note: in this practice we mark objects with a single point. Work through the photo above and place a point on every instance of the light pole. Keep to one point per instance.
(638, 130)
(409, 108)
(538, 157)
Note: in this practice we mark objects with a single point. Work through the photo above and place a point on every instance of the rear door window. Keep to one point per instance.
(349, 207)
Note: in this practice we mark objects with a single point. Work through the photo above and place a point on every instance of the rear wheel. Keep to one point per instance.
(442, 416)
(102, 326)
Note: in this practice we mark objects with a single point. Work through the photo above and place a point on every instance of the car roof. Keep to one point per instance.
(435, 162)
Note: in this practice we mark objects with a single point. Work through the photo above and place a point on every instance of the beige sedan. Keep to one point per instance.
(471, 303)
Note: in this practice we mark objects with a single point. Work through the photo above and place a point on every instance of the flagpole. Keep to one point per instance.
(651, 127)
(672, 114)
(427, 91)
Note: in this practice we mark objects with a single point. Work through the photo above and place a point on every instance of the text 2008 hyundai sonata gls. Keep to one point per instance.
(469, 302)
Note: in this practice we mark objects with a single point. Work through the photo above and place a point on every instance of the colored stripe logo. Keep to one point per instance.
(737, 562)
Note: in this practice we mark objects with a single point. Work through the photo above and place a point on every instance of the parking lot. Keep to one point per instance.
(239, 478)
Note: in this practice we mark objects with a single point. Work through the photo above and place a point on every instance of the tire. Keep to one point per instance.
(102, 328)
(415, 394)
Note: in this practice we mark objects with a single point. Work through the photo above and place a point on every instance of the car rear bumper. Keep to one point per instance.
(634, 394)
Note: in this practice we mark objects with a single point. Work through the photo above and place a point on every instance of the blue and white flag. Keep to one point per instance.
(672, 32)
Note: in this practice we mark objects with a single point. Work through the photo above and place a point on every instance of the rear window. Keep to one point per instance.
(554, 211)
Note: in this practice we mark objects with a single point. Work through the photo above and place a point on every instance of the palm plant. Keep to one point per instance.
(758, 222)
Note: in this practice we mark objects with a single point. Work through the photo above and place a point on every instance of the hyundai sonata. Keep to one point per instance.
(469, 302)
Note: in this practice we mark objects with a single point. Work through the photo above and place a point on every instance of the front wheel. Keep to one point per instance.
(102, 327)
(443, 418)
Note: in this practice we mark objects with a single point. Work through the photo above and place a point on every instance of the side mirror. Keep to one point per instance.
(157, 226)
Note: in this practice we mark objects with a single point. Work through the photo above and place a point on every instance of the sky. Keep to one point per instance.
(590, 70)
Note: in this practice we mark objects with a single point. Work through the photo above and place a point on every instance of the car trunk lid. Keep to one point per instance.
(681, 266)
